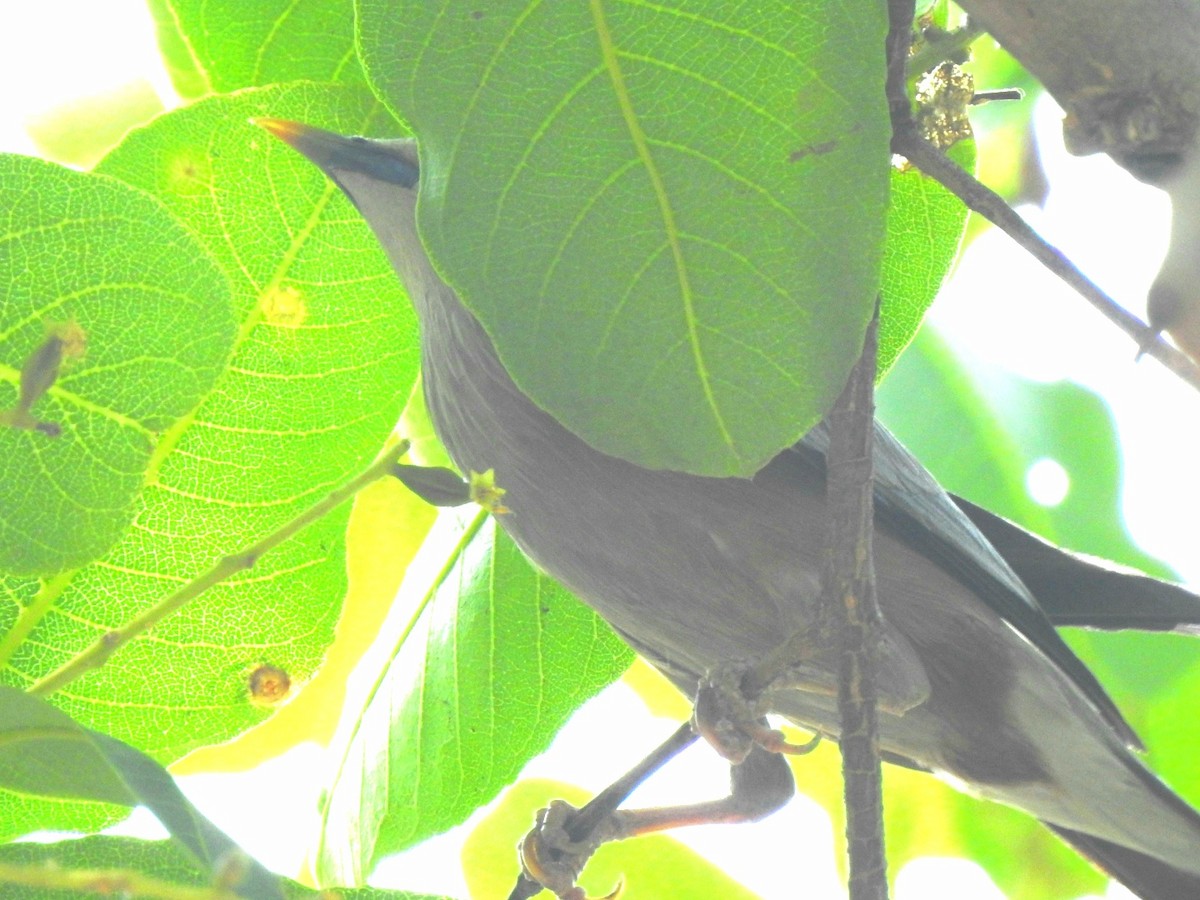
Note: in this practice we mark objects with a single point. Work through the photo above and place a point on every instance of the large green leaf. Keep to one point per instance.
(669, 218)
(325, 357)
(215, 46)
(42, 751)
(925, 224)
(492, 658)
(101, 286)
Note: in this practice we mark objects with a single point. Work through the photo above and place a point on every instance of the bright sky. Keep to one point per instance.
(1115, 228)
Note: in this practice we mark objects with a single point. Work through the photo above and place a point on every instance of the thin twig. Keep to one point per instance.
(100, 652)
(938, 47)
(907, 142)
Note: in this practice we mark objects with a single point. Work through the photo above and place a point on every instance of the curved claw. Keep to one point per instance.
(553, 860)
(732, 722)
(772, 739)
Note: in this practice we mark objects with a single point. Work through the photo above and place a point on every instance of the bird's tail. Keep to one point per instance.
(1148, 877)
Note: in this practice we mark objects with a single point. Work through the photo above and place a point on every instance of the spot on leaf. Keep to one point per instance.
(190, 174)
(269, 685)
(283, 306)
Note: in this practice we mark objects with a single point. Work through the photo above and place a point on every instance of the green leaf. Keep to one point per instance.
(386, 527)
(43, 751)
(979, 430)
(324, 360)
(955, 433)
(123, 322)
(218, 46)
(492, 659)
(161, 859)
(925, 225)
(670, 221)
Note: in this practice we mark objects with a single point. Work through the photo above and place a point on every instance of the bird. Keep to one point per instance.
(694, 572)
(1171, 303)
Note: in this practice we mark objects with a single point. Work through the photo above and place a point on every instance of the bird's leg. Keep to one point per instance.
(554, 852)
(563, 838)
(731, 717)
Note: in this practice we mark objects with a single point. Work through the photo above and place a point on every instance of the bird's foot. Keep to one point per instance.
(553, 859)
(734, 722)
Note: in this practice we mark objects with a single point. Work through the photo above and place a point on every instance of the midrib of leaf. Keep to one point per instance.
(29, 616)
(452, 559)
(256, 75)
(491, 757)
(608, 52)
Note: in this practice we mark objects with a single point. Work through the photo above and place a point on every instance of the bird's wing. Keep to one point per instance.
(1084, 591)
(913, 506)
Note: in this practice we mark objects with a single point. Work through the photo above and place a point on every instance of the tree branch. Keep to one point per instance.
(907, 140)
(908, 143)
(848, 599)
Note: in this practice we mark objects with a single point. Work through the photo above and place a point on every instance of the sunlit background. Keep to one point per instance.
(55, 53)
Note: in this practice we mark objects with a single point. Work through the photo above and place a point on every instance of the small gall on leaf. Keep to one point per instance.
(487, 493)
(269, 685)
(190, 174)
(283, 306)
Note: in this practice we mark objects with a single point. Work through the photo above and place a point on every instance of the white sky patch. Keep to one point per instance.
(930, 876)
(1047, 482)
(61, 50)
